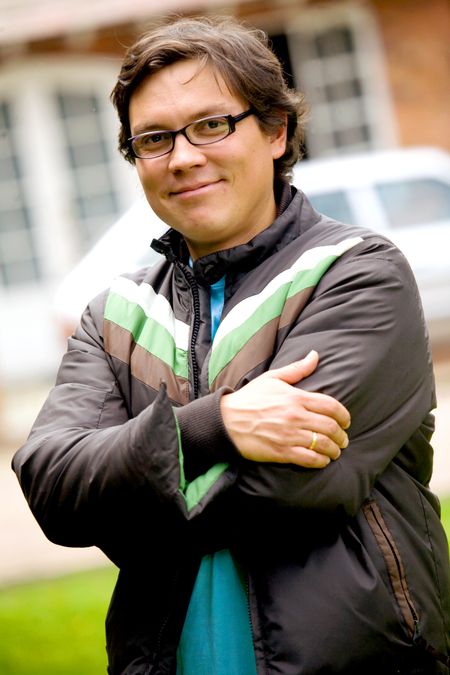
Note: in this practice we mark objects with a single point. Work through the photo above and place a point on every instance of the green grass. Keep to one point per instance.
(57, 627)
(445, 516)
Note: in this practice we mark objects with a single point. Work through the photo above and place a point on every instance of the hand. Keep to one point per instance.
(269, 420)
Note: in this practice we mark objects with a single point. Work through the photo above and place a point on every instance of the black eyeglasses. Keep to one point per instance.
(152, 144)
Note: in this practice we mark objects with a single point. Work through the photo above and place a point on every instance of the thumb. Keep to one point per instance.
(296, 371)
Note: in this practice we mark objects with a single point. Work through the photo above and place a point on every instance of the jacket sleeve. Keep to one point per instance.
(91, 474)
(366, 322)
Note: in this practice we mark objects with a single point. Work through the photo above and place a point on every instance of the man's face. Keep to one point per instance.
(219, 195)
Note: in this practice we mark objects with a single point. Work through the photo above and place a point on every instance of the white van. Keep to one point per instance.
(405, 194)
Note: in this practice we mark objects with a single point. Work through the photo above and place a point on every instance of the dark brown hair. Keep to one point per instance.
(242, 57)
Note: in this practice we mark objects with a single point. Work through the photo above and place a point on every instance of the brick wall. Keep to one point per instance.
(416, 36)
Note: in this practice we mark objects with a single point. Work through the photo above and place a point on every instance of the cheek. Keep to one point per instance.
(260, 155)
(140, 170)
(147, 174)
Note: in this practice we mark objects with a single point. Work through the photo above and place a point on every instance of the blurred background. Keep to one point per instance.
(377, 76)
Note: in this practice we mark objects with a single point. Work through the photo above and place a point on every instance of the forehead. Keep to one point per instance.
(185, 89)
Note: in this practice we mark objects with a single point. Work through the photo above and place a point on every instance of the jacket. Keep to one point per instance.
(347, 566)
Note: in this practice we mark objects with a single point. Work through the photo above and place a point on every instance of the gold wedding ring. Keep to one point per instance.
(314, 441)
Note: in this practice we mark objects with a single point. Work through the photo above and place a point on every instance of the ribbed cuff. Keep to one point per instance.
(204, 438)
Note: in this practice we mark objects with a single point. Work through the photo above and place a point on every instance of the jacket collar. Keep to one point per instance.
(209, 269)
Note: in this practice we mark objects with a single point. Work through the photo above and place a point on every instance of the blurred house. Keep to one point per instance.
(376, 74)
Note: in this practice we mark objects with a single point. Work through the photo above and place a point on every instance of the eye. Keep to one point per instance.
(153, 139)
(152, 142)
(211, 127)
(214, 124)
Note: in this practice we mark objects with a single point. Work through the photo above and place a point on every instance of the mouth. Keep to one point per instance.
(195, 189)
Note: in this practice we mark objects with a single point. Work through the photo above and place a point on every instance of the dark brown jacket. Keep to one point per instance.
(347, 566)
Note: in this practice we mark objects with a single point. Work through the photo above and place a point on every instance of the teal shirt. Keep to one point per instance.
(216, 637)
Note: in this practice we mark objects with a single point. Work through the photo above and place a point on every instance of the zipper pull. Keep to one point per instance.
(164, 249)
(416, 635)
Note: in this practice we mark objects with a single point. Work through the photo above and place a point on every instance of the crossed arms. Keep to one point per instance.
(88, 470)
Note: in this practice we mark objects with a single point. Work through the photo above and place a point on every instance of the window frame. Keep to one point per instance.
(30, 89)
(368, 64)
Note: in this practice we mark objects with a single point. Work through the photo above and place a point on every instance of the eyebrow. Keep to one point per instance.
(204, 112)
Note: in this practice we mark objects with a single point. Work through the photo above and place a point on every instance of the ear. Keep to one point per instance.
(278, 140)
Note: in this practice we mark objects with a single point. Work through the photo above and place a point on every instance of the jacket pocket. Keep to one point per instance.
(394, 565)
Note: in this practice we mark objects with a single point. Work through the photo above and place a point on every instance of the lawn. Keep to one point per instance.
(445, 503)
(57, 627)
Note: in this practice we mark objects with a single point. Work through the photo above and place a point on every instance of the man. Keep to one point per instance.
(194, 436)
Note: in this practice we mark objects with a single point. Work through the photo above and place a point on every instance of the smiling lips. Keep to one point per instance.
(191, 190)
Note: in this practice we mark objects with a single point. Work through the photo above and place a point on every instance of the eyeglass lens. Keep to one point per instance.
(201, 132)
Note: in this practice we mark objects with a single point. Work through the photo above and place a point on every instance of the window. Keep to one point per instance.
(62, 180)
(335, 205)
(415, 202)
(336, 62)
(19, 263)
(88, 154)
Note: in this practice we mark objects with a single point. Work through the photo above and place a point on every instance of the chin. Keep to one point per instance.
(194, 224)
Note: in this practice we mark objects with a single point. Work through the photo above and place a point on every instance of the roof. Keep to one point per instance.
(30, 20)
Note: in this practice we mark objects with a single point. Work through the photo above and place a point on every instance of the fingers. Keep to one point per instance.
(319, 456)
(323, 445)
(296, 371)
(327, 406)
(326, 428)
(308, 459)
(269, 420)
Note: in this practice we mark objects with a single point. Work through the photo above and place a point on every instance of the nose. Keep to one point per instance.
(184, 155)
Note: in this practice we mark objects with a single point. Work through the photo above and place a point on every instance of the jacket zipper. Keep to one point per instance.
(380, 529)
(247, 590)
(252, 628)
(163, 626)
(417, 639)
(391, 557)
(196, 324)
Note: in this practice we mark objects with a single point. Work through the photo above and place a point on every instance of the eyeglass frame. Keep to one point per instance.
(232, 120)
